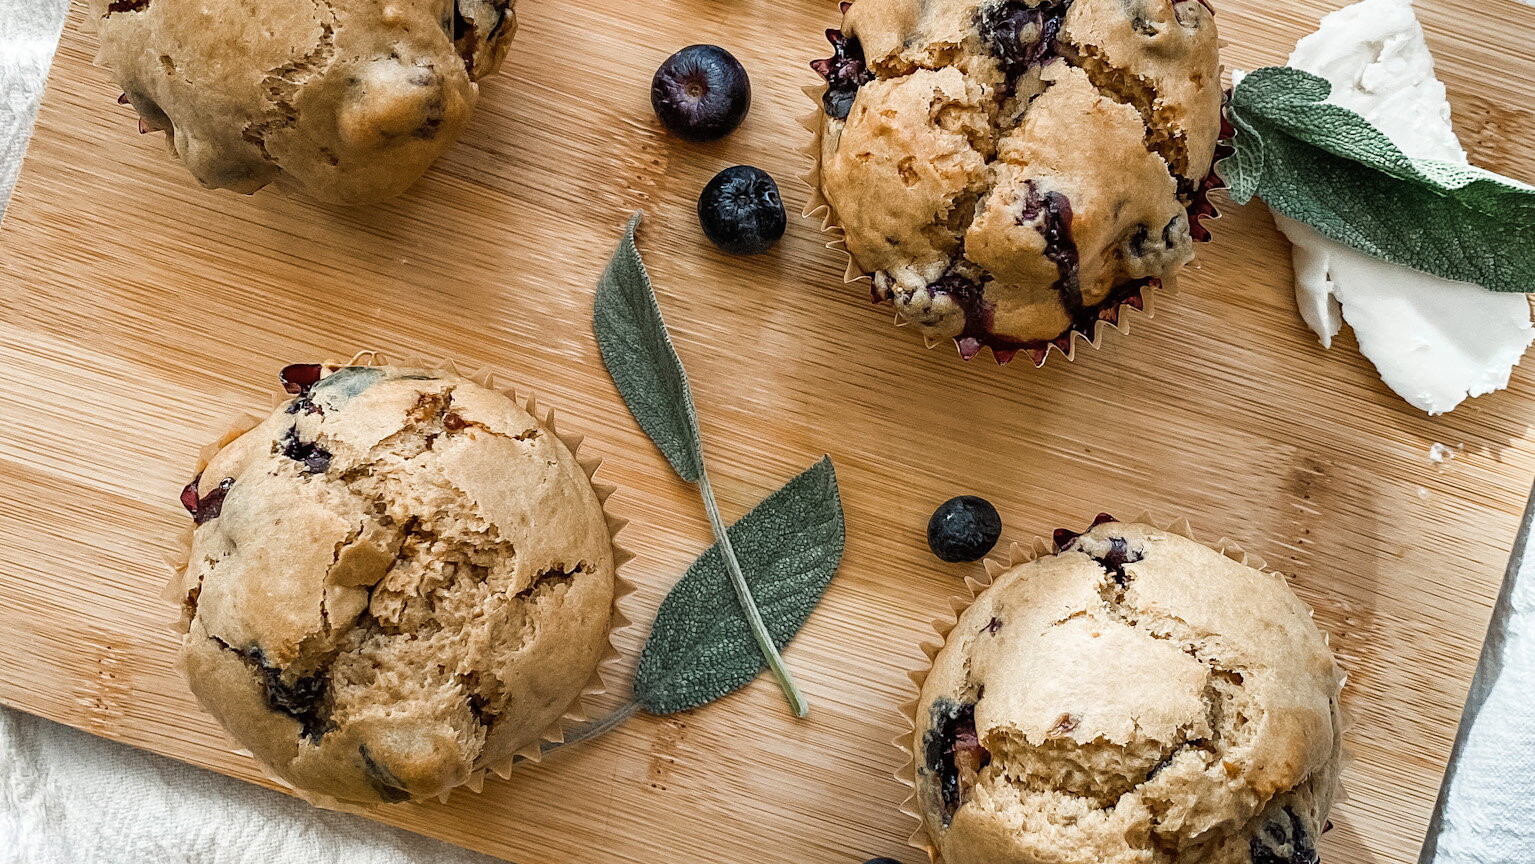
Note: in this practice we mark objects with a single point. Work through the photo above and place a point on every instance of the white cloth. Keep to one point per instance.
(71, 798)
(1486, 812)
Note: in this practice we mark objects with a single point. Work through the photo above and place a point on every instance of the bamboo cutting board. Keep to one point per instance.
(141, 312)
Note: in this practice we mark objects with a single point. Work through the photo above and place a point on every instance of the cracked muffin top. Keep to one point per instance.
(1013, 172)
(349, 100)
(1136, 697)
(398, 578)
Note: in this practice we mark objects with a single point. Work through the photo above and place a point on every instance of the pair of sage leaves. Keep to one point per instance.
(1326, 166)
(745, 597)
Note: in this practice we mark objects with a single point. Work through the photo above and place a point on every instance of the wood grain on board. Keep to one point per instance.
(142, 311)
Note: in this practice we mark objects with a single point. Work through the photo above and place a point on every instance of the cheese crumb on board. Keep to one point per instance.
(1434, 341)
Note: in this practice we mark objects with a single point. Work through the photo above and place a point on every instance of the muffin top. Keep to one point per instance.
(1136, 697)
(351, 100)
(396, 579)
(1013, 172)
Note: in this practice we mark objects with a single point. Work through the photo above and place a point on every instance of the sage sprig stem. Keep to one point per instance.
(759, 629)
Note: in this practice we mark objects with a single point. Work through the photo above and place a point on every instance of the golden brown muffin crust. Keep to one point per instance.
(1137, 697)
(350, 100)
(400, 577)
(1012, 171)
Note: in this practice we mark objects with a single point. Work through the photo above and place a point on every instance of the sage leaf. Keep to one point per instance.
(636, 348)
(1326, 166)
(701, 646)
(639, 355)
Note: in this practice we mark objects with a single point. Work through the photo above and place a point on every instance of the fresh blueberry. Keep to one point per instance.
(963, 529)
(701, 93)
(740, 210)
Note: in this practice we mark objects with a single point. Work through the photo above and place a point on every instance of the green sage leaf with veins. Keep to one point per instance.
(638, 352)
(640, 357)
(1326, 166)
(700, 647)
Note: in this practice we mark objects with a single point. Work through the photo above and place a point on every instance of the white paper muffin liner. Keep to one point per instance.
(1018, 554)
(607, 665)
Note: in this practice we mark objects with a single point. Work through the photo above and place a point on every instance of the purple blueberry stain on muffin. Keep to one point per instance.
(1116, 556)
(1283, 839)
(1019, 35)
(207, 506)
(952, 752)
(301, 697)
(388, 786)
(1065, 538)
(1053, 212)
(844, 72)
(314, 458)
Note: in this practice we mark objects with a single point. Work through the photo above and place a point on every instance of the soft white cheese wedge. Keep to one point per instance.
(1435, 342)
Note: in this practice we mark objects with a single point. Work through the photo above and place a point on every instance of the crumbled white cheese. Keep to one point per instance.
(1434, 341)
(1440, 454)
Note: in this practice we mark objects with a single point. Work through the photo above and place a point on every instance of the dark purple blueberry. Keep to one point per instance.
(701, 93)
(302, 698)
(963, 528)
(1117, 556)
(952, 752)
(384, 782)
(1053, 210)
(316, 459)
(299, 377)
(189, 498)
(844, 72)
(1065, 537)
(1283, 840)
(881, 861)
(741, 212)
(1021, 35)
(208, 506)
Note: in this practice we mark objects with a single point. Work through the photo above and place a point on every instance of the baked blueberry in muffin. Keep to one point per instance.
(1012, 172)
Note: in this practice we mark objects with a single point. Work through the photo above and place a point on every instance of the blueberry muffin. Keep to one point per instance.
(397, 579)
(1136, 698)
(1013, 172)
(349, 100)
